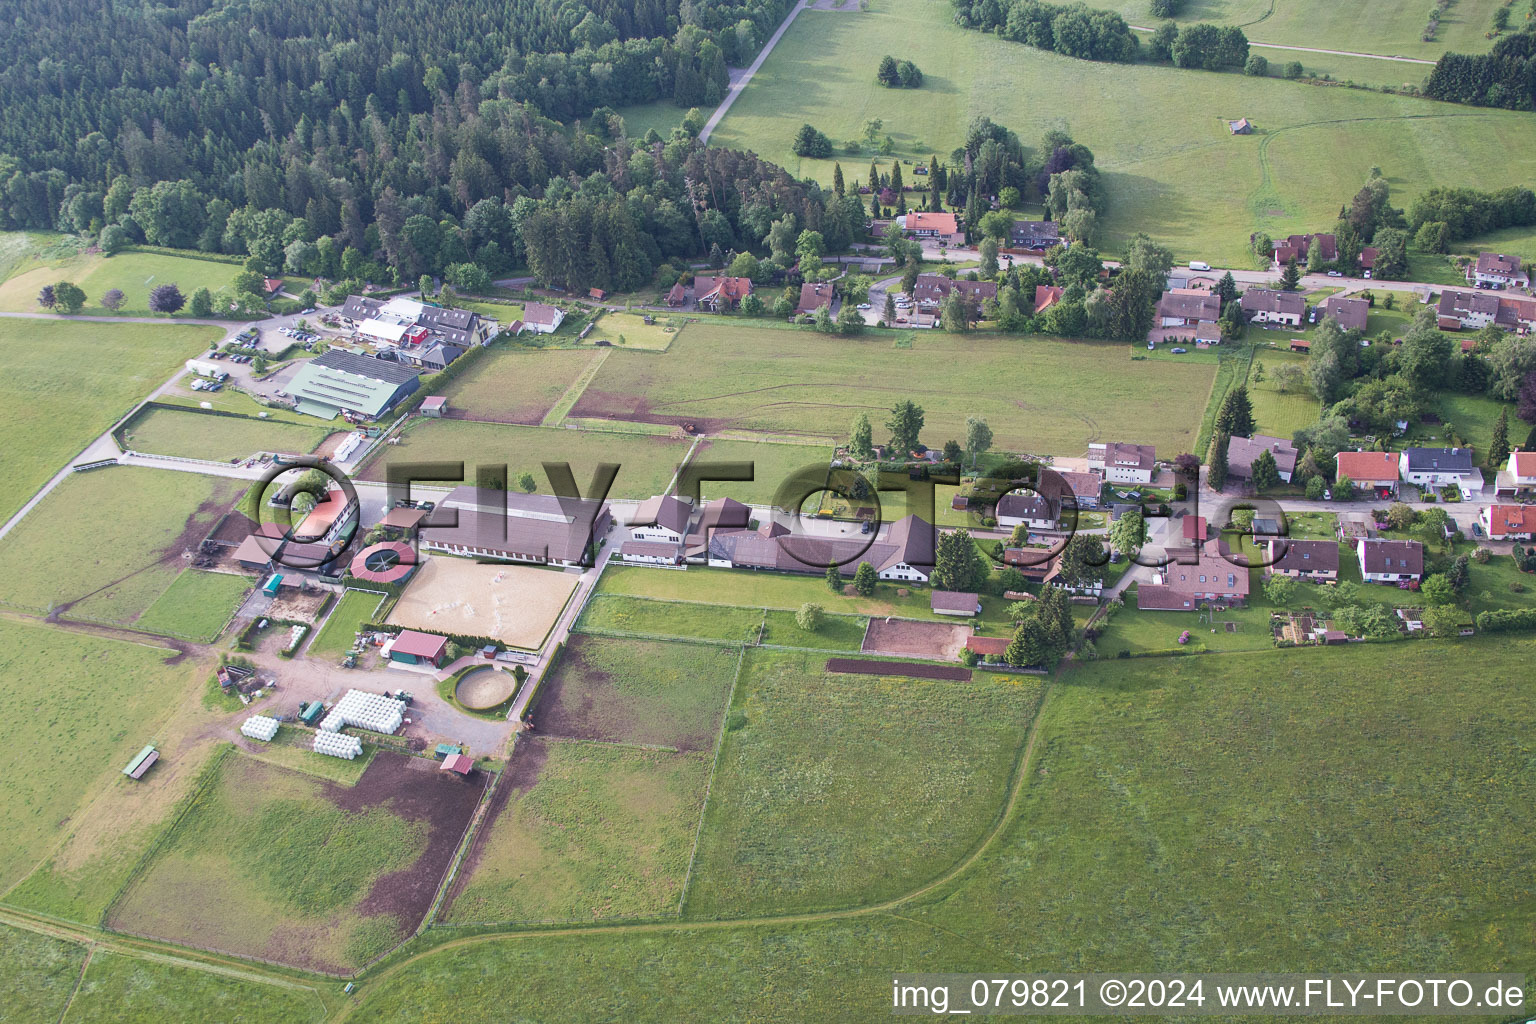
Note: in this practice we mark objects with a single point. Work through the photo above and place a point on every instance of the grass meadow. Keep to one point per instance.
(1341, 808)
(511, 384)
(1039, 395)
(646, 464)
(618, 614)
(105, 545)
(347, 616)
(135, 273)
(629, 330)
(589, 832)
(194, 435)
(44, 420)
(197, 606)
(838, 790)
(131, 989)
(772, 464)
(1170, 166)
(39, 973)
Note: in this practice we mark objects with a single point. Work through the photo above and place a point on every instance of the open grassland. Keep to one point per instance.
(135, 273)
(772, 465)
(104, 545)
(197, 606)
(39, 973)
(271, 863)
(194, 435)
(1280, 414)
(646, 464)
(512, 384)
(1159, 823)
(629, 330)
(66, 382)
(587, 832)
(347, 617)
(127, 989)
(1170, 166)
(79, 708)
(1039, 395)
(619, 614)
(836, 790)
(293, 748)
(635, 691)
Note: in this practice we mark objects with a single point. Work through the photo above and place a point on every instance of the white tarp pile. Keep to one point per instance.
(337, 745)
(259, 727)
(364, 710)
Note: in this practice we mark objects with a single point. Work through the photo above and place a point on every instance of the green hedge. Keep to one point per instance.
(1522, 620)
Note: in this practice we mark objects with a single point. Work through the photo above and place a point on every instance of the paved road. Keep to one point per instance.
(740, 77)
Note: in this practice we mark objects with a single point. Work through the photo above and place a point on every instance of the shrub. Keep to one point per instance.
(809, 617)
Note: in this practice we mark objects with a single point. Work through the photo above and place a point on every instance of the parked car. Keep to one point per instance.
(1334, 273)
(1178, 351)
(864, 305)
(306, 312)
(1477, 531)
(866, 526)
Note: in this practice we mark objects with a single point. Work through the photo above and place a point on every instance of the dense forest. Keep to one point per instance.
(317, 107)
(1503, 77)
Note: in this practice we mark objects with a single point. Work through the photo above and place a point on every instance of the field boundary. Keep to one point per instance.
(709, 785)
(574, 390)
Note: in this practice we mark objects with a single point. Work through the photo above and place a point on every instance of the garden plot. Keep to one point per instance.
(516, 604)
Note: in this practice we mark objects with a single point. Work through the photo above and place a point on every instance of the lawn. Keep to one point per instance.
(1188, 183)
(511, 384)
(652, 693)
(133, 990)
(618, 614)
(1470, 417)
(588, 832)
(71, 730)
(793, 384)
(39, 973)
(836, 632)
(838, 790)
(104, 545)
(272, 863)
(197, 606)
(647, 464)
(46, 417)
(629, 330)
(135, 273)
(1140, 632)
(196, 435)
(293, 748)
(346, 618)
(1333, 808)
(772, 465)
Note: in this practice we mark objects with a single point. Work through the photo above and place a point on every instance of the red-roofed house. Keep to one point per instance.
(1509, 522)
(272, 285)
(941, 227)
(717, 293)
(1518, 475)
(459, 764)
(1377, 470)
(1046, 296)
(1297, 247)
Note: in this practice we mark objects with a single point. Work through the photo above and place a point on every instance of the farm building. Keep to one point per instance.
(539, 528)
(1242, 126)
(987, 648)
(141, 762)
(408, 323)
(338, 381)
(459, 764)
(954, 602)
(904, 552)
(435, 406)
(651, 552)
(541, 318)
(385, 562)
(413, 648)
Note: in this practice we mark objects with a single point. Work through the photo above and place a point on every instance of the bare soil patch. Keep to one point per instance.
(938, 640)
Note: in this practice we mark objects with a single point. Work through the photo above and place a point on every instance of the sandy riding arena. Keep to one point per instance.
(915, 639)
(516, 604)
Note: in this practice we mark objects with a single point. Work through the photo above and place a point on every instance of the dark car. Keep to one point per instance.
(866, 526)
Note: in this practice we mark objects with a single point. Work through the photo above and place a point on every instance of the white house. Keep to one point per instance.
(1495, 270)
(1123, 463)
(1267, 306)
(661, 520)
(540, 318)
(1441, 467)
(644, 552)
(1519, 474)
(1024, 508)
(1390, 561)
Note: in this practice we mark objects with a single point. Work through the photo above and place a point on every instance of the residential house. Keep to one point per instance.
(1376, 471)
(540, 318)
(1046, 296)
(1034, 234)
(1390, 561)
(943, 228)
(1207, 334)
(1495, 270)
(1123, 463)
(648, 552)
(1516, 313)
(1025, 508)
(1071, 489)
(1503, 522)
(814, 297)
(1441, 467)
(903, 552)
(720, 514)
(511, 526)
(1267, 306)
(931, 290)
(1313, 560)
(1299, 247)
(954, 602)
(1241, 451)
(1212, 579)
(1367, 259)
(1466, 309)
(1186, 307)
(678, 295)
(720, 293)
(1351, 314)
(433, 358)
(1518, 477)
(1242, 126)
(661, 519)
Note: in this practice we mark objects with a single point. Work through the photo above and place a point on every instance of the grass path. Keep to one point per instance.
(572, 395)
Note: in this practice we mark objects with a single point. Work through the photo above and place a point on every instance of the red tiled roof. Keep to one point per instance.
(421, 645)
(1506, 519)
(1524, 462)
(987, 646)
(1368, 467)
(461, 764)
(943, 223)
(1046, 296)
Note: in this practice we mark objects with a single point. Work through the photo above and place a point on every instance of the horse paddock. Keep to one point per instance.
(516, 604)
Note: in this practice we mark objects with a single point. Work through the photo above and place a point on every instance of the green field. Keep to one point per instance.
(135, 273)
(837, 790)
(618, 614)
(268, 863)
(105, 545)
(39, 973)
(1159, 134)
(197, 606)
(44, 423)
(772, 464)
(194, 435)
(629, 330)
(591, 832)
(134, 990)
(646, 463)
(347, 616)
(71, 730)
(294, 749)
(515, 385)
(1039, 395)
(637, 691)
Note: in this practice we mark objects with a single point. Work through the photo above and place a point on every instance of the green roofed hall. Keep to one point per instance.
(340, 381)
(141, 762)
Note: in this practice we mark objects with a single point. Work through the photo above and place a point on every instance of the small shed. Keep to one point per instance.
(1242, 126)
(273, 582)
(434, 405)
(414, 648)
(459, 764)
(141, 762)
(955, 602)
(446, 750)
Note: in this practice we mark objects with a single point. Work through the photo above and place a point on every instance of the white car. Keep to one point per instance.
(1334, 273)
(865, 305)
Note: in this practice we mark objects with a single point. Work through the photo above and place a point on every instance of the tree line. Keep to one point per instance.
(1503, 77)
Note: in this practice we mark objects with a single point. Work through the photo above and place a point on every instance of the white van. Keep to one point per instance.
(1199, 265)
